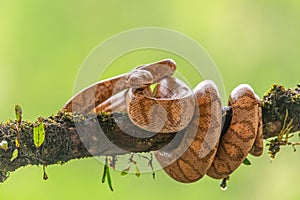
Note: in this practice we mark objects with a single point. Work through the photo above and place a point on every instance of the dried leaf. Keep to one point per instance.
(4, 145)
(125, 171)
(17, 143)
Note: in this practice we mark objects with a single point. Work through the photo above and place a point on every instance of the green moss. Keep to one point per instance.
(281, 117)
(279, 100)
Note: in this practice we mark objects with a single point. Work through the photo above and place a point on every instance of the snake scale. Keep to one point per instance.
(171, 107)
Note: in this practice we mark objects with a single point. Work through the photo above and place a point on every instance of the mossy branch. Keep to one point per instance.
(63, 141)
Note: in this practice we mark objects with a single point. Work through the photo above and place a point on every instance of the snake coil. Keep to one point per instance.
(171, 107)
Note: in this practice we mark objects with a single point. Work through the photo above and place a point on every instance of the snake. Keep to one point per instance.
(171, 106)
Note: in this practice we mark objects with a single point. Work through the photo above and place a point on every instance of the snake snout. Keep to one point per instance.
(139, 79)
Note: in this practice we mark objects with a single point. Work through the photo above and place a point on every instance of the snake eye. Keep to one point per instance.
(139, 79)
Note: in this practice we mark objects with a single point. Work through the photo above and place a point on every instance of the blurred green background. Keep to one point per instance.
(43, 43)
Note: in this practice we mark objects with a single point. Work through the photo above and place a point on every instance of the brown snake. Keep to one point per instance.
(172, 107)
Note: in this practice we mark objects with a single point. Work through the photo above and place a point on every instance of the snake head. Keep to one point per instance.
(139, 78)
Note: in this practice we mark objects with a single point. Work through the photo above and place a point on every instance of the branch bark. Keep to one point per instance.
(70, 136)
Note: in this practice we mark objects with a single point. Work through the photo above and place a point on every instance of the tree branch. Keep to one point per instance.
(70, 136)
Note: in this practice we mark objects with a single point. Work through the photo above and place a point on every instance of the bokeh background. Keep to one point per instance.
(43, 43)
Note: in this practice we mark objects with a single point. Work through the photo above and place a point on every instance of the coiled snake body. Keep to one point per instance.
(172, 107)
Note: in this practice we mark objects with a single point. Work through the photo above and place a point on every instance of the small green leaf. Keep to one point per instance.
(4, 145)
(18, 111)
(14, 155)
(223, 184)
(104, 174)
(39, 134)
(45, 176)
(246, 162)
(109, 178)
(107, 174)
(153, 174)
(137, 171)
(125, 171)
